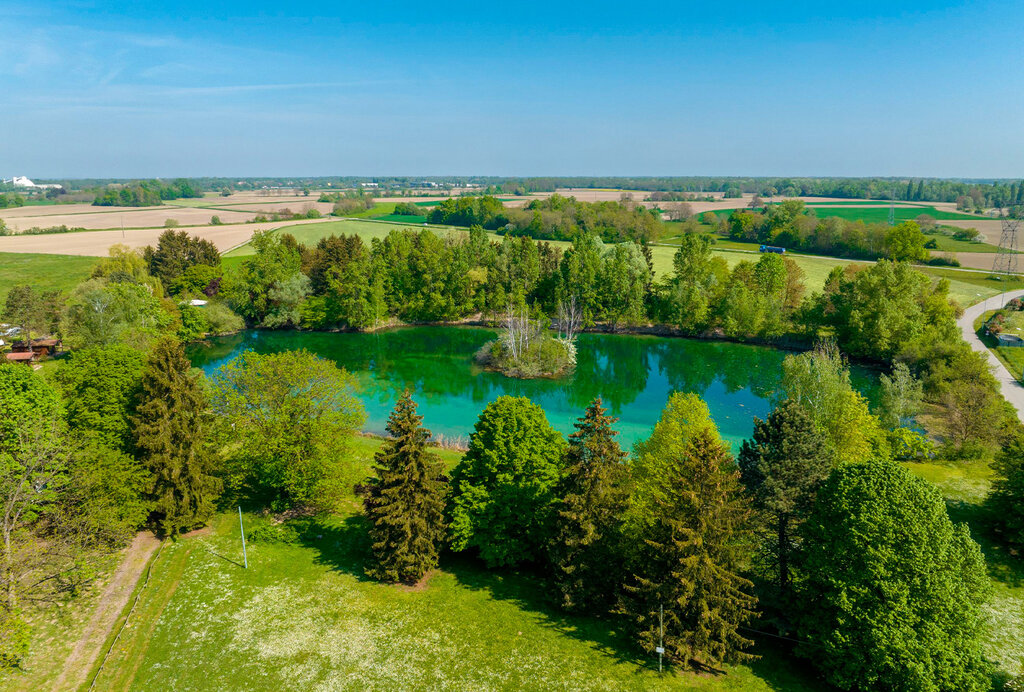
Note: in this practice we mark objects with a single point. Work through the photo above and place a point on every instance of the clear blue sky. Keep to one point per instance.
(511, 88)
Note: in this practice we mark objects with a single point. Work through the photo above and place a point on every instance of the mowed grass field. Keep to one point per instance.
(304, 616)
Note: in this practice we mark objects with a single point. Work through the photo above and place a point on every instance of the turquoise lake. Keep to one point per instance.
(633, 374)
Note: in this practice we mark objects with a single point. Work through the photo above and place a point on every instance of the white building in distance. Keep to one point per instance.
(22, 181)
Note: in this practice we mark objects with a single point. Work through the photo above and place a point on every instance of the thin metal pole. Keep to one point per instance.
(661, 636)
(245, 558)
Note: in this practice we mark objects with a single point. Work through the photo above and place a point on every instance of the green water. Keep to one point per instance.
(633, 374)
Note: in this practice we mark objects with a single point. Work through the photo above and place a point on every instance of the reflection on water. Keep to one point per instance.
(634, 375)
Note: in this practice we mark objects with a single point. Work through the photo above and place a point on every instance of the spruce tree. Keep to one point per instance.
(405, 501)
(689, 562)
(168, 429)
(782, 466)
(585, 550)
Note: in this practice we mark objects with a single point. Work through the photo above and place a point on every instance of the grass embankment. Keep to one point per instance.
(1010, 356)
(44, 272)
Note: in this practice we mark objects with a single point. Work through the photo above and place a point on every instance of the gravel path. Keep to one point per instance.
(1012, 389)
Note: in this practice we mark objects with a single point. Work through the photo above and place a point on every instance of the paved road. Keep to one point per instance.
(1013, 391)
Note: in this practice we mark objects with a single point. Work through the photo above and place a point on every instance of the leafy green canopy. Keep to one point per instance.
(287, 418)
(890, 590)
(504, 487)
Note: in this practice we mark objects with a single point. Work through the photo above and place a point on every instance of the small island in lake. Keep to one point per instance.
(526, 349)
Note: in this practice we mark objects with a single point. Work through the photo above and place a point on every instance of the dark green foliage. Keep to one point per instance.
(169, 431)
(24, 397)
(34, 311)
(405, 501)
(100, 386)
(503, 489)
(688, 562)
(146, 193)
(586, 550)
(176, 253)
(890, 590)
(782, 466)
(1007, 498)
(105, 498)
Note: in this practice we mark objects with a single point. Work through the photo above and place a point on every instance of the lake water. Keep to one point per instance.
(633, 374)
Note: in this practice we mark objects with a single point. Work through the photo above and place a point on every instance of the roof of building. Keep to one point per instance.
(24, 355)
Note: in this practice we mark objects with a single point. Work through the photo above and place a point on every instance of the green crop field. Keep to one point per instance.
(44, 272)
(402, 218)
(310, 234)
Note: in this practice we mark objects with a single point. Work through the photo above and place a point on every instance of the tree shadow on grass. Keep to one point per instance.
(1003, 564)
(342, 543)
(778, 668)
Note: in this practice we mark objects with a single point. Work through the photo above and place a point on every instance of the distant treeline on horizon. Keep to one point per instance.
(998, 192)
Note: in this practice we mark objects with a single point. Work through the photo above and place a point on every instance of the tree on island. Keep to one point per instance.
(503, 489)
(891, 590)
(586, 548)
(689, 546)
(169, 438)
(405, 501)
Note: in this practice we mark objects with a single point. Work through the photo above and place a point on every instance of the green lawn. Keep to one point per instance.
(305, 616)
(45, 272)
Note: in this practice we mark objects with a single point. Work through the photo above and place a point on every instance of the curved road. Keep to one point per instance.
(1013, 391)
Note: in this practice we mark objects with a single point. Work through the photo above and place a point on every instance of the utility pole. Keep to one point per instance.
(245, 558)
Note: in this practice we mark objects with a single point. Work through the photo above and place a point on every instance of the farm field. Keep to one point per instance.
(97, 218)
(304, 613)
(880, 214)
(44, 272)
(310, 234)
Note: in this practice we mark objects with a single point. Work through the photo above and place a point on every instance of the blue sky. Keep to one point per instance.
(126, 89)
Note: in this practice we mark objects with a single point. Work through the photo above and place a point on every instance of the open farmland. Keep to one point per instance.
(115, 217)
(98, 243)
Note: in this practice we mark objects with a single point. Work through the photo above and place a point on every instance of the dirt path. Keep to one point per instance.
(111, 604)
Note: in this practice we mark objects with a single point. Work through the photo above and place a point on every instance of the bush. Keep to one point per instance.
(967, 234)
(946, 260)
(265, 532)
(221, 320)
(171, 223)
(14, 639)
(407, 209)
(545, 357)
(910, 445)
(215, 221)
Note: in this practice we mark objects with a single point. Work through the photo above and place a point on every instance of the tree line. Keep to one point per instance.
(146, 193)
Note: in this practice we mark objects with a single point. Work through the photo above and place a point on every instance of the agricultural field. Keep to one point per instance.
(310, 233)
(44, 272)
(878, 214)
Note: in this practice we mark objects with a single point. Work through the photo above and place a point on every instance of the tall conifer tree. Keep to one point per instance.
(405, 501)
(169, 434)
(782, 466)
(585, 549)
(689, 562)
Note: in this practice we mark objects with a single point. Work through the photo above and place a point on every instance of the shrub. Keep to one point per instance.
(171, 223)
(215, 221)
(222, 320)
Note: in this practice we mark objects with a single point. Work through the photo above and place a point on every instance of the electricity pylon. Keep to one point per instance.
(1006, 256)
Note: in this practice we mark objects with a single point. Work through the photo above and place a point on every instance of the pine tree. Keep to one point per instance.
(405, 501)
(690, 560)
(169, 434)
(782, 466)
(586, 546)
